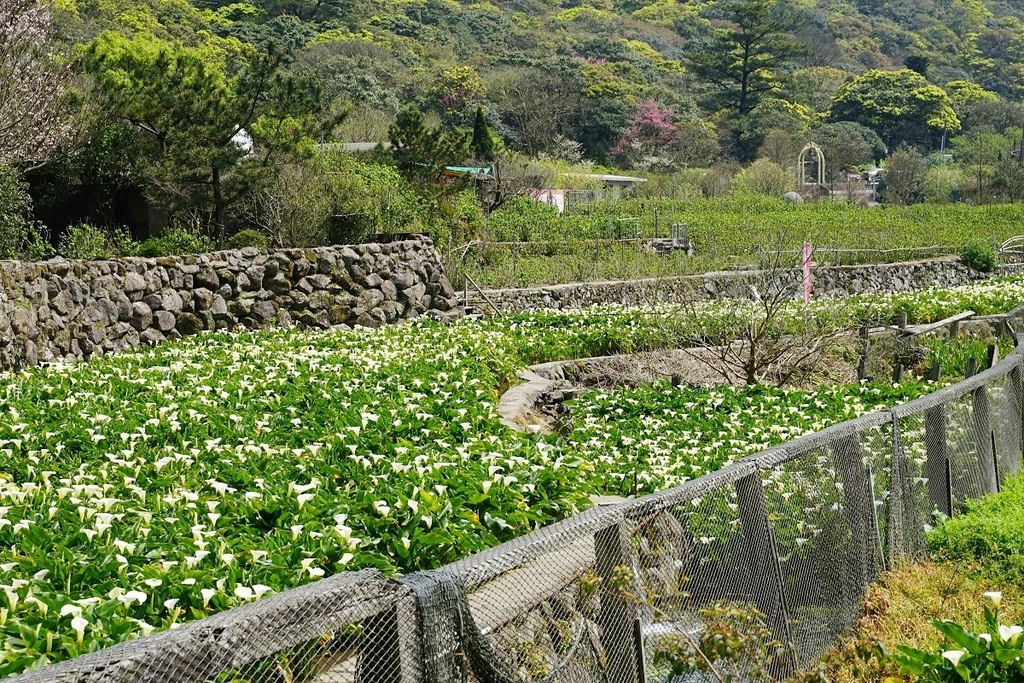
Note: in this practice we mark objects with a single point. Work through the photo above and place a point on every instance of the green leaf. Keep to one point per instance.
(960, 636)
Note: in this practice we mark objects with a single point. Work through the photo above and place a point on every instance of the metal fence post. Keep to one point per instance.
(857, 506)
(937, 453)
(982, 417)
(390, 650)
(611, 550)
(1017, 402)
(763, 562)
(900, 498)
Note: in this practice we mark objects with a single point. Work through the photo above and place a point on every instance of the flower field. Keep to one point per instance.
(155, 487)
(647, 438)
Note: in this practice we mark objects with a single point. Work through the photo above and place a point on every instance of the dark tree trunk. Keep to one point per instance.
(218, 206)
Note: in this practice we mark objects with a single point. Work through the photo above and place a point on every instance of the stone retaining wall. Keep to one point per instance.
(827, 281)
(73, 309)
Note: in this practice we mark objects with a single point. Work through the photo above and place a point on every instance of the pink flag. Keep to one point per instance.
(807, 273)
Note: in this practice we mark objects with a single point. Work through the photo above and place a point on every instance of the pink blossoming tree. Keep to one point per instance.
(35, 117)
(651, 137)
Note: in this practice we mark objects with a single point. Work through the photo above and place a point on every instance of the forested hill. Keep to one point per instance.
(229, 116)
(566, 79)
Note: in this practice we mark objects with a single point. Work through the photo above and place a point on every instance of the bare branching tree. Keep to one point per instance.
(34, 81)
(515, 176)
(759, 330)
(295, 208)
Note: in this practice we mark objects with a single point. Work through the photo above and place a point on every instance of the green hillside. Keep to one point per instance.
(204, 114)
(551, 74)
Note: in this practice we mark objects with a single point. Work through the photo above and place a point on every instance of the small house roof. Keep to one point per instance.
(607, 177)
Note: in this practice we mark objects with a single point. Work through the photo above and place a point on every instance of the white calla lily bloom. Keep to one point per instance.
(1008, 633)
(954, 656)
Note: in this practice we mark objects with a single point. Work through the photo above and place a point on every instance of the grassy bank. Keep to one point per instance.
(977, 552)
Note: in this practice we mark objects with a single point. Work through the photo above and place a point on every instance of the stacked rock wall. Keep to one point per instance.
(73, 309)
(827, 281)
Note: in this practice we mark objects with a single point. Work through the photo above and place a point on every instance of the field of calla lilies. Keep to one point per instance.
(160, 485)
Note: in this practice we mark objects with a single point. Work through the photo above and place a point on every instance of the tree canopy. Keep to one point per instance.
(196, 109)
(901, 106)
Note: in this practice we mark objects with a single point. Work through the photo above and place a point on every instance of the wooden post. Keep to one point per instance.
(897, 372)
(954, 329)
(865, 350)
(982, 417)
(897, 496)
(390, 651)
(850, 462)
(876, 528)
(995, 463)
(949, 489)
(897, 369)
(617, 614)
(937, 452)
(763, 565)
(972, 367)
(993, 355)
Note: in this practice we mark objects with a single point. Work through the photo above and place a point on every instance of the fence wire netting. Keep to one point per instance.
(776, 549)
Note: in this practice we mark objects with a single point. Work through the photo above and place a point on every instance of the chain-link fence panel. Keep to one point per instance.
(350, 627)
(533, 609)
(1005, 398)
(908, 511)
(819, 498)
(700, 554)
(956, 440)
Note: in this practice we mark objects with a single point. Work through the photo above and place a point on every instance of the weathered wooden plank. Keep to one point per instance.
(915, 330)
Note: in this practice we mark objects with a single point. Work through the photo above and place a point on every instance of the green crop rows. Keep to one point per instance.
(724, 232)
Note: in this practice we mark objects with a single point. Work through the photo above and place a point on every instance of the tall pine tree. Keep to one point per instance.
(482, 144)
(743, 61)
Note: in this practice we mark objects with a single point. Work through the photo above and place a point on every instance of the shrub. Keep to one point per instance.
(248, 238)
(86, 241)
(37, 245)
(764, 177)
(980, 256)
(176, 241)
(333, 198)
(522, 219)
(462, 218)
(718, 179)
(15, 212)
(904, 179)
(991, 530)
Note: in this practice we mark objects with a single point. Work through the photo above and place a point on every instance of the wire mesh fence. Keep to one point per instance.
(775, 550)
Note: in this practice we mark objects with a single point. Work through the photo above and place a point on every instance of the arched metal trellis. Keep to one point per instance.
(818, 159)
